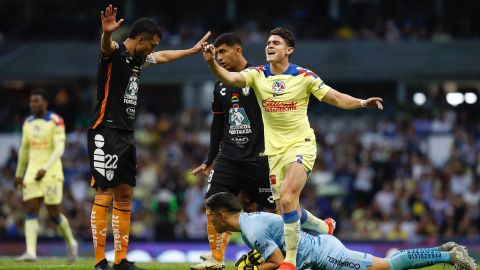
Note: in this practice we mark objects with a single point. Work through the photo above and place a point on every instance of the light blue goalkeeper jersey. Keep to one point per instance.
(264, 232)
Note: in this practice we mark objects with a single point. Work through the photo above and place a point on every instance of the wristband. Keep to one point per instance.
(363, 103)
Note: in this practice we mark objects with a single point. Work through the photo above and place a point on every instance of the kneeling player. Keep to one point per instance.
(263, 232)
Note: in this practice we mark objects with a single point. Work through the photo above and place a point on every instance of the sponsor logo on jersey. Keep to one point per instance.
(130, 96)
(240, 140)
(264, 190)
(271, 105)
(343, 263)
(261, 247)
(278, 88)
(238, 121)
(131, 111)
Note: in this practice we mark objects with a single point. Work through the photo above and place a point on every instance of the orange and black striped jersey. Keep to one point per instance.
(117, 90)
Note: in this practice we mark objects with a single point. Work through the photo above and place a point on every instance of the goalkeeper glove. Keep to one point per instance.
(249, 261)
(254, 257)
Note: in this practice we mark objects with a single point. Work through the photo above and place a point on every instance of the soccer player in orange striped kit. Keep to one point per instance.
(111, 142)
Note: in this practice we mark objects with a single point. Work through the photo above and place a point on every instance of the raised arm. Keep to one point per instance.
(109, 25)
(172, 55)
(347, 102)
(230, 78)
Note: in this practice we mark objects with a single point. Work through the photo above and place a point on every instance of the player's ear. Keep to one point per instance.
(290, 51)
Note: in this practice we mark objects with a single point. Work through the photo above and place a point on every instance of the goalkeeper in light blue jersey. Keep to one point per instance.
(263, 233)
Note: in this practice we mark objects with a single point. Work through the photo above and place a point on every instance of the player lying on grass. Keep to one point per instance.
(263, 233)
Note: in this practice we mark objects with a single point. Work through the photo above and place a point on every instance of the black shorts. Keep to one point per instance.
(233, 176)
(113, 158)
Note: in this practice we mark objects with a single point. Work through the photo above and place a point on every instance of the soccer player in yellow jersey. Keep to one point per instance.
(283, 90)
(40, 175)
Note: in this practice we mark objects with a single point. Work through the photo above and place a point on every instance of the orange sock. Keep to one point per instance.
(121, 229)
(214, 239)
(98, 221)
(225, 239)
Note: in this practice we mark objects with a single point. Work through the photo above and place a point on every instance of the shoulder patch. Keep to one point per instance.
(56, 119)
(306, 72)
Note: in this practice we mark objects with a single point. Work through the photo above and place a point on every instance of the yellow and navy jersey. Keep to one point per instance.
(39, 136)
(283, 99)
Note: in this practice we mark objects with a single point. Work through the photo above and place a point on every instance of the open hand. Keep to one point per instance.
(109, 19)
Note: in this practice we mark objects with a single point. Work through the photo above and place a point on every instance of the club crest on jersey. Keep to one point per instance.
(109, 175)
(246, 91)
(278, 88)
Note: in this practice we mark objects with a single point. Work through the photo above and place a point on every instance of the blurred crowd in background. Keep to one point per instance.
(378, 181)
(375, 172)
(183, 20)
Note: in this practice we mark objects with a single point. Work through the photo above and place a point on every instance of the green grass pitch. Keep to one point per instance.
(87, 263)
(82, 264)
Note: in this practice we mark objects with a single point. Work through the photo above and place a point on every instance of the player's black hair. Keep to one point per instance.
(39, 92)
(225, 200)
(285, 34)
(228, 39)
(145, 26)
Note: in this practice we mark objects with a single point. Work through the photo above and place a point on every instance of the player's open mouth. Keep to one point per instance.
(271, 53)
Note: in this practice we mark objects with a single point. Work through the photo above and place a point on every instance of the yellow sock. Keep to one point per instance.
(31, 231)
(65, 230)
(292, 236)
(98, 221)
(311, 222)
(214, 239)
(121, 229)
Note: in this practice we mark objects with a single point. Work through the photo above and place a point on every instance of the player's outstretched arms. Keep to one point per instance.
(347, 102)
(172, 55)
(109, 25)
(230, 78)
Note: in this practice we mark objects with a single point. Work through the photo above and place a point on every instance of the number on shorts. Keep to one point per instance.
(111, 161)
(209, 180)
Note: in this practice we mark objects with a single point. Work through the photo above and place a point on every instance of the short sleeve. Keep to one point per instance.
(318, 88)
(257, 237)
(108, 59)
(249, 75)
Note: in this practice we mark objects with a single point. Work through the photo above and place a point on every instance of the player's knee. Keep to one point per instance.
(286, 199)
(122, 197)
